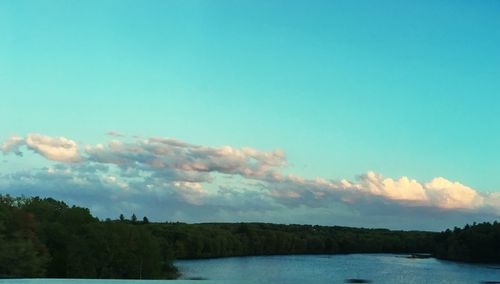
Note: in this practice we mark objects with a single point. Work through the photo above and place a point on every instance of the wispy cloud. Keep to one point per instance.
(115, 133)
(12, 145)
(182, 161)
(221, 180)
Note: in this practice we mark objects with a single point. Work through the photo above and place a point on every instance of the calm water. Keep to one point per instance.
(379, 268)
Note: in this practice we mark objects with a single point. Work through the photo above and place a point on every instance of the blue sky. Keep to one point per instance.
(343, 88)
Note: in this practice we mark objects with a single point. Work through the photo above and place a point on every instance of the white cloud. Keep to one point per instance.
(164, 154)
(446, 194)
(438, 193)
(403, 188)
(53, 148)
(12, 145)
(176, 171)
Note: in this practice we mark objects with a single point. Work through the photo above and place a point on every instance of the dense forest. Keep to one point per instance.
(236, 239)
(475, 243)
(47, 238)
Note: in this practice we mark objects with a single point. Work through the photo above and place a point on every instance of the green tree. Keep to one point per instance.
(21, 252)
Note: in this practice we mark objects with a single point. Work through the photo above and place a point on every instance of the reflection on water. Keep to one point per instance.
(377, 268)
(106, 281)
(354, 268)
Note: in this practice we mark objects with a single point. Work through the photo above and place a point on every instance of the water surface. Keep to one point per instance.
(295, 269)
(379, 268)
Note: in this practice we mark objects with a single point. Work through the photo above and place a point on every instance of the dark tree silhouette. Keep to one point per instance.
(47, 238)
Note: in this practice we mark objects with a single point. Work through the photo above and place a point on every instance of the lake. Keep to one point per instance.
(379, 268)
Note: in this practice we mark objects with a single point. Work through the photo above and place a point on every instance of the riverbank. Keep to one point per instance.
(51, 239)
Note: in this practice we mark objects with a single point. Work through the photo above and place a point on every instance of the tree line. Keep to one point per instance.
(472, 243)
(44, 237)
(47, 238)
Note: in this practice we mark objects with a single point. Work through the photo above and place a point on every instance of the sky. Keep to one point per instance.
(356, 113)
